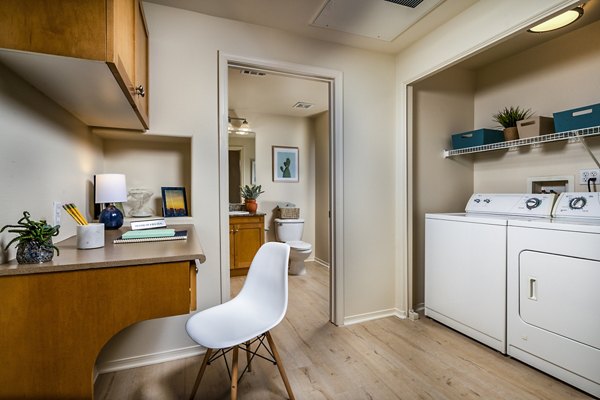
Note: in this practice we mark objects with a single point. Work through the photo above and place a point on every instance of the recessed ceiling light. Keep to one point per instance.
(560, 21)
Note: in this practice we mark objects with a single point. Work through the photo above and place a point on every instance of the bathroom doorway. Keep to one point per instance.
(316, 134)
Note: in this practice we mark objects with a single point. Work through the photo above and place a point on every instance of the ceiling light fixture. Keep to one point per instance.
(560, 21)
(242, 130)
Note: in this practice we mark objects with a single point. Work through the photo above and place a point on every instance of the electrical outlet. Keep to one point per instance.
(57, 207)
(586, 174)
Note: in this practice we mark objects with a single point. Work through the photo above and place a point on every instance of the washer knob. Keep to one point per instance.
(532, 203)
(488, 201)
(477, 201)
(577, 203)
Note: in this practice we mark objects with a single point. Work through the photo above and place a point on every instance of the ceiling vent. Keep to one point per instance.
(303, 105)
(406, 3)
(252, 72)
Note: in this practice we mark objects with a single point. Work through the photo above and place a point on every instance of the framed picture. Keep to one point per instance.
(174, 202)
(285, 164)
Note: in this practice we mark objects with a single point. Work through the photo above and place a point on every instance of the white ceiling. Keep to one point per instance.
(275, 94)
(351, 21)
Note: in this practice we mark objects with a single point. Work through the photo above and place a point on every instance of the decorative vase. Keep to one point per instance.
(511, 134)
(32, 252)
(251, 205)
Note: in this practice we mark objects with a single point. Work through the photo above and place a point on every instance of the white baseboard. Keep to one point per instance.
(392, 312)
(147, 359)
(321, 262)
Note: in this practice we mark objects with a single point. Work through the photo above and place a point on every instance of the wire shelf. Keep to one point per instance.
(553, 137)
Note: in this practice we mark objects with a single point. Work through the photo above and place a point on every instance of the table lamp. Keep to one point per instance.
(111, 188)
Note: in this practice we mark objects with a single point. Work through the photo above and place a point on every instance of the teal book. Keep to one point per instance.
(137, 237)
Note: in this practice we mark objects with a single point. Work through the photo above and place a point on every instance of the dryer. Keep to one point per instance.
(465, 263)
(553, 291)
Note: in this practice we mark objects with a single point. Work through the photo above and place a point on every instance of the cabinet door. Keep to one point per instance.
(247, 242)
(141, 62)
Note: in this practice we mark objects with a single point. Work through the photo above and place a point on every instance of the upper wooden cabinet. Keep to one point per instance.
(90, 56)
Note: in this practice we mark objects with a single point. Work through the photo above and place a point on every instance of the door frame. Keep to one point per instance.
(334, 79)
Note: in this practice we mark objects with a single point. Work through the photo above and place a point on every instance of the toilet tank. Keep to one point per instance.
(287, 230)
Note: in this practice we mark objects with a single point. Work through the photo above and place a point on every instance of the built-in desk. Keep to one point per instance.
(56, 317)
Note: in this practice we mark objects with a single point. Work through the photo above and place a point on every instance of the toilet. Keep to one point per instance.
(290, 231)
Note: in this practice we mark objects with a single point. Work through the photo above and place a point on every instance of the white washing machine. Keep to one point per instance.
(465, 263)
(553, 308)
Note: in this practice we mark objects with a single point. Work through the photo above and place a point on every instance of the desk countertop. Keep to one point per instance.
(113, 255)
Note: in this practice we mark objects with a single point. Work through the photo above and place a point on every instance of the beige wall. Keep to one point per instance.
(46, 155)
(150, 165)
(443, 105)
(322, 240)
(555, 76)
(184, 50)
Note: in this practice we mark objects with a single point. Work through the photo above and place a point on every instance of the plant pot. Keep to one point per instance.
(34, 252)
(251, 205)
(511, 134)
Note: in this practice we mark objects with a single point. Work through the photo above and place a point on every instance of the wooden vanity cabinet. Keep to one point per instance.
(246, 235)
(113, 32)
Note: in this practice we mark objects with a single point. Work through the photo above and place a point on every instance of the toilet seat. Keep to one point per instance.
(299, 245)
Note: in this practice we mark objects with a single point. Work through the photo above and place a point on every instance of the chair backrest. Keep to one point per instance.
(266, 286)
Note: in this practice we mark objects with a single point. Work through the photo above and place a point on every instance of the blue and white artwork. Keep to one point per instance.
(285, 164)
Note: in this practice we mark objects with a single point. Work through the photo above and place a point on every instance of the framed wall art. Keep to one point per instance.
(285, 164)
(174, 202)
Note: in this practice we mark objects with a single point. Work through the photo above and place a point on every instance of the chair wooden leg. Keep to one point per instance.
(248, 358)
(234, 374)
(201, 373)
(280, 366)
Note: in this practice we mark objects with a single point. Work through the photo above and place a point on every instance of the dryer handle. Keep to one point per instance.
(532, 289)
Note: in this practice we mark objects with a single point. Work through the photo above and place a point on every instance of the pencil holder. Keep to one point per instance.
(90, 236)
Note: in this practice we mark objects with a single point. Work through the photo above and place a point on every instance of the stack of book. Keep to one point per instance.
(151, 235)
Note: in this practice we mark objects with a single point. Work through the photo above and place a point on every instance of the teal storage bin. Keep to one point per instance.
(477, 137)
(577, 118)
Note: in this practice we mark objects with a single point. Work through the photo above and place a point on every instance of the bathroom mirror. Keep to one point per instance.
(241, 160)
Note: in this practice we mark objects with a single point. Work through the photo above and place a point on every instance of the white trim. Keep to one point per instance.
(148, 359)
(404, 147)
(334, 78)
(359, 318)
(321, 262)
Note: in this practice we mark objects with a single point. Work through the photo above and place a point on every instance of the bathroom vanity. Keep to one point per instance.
(246, 235)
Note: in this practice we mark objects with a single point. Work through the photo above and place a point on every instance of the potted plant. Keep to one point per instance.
(34, 240)
(250, 194)
(508, 117)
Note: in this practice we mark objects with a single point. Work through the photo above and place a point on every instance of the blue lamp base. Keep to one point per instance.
(111, 217)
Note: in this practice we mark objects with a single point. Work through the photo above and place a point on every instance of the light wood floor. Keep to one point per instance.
(383, 359)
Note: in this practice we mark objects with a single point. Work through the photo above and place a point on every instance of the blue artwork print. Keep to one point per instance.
(287, 164)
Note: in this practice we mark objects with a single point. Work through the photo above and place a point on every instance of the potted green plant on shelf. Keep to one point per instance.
(250, 194)
(508, 117)
(34, 240)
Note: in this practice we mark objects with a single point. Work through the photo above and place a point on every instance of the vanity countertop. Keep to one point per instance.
(113, 255)
(245, 214)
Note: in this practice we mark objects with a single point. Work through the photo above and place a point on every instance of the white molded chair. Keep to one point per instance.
(247, 318)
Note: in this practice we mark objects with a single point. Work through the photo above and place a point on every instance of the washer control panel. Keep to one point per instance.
(535, 205)
(578, 205)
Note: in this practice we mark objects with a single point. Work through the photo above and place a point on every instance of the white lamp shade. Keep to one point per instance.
(110, 188)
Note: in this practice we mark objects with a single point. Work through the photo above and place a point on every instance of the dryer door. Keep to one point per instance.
(560, 294)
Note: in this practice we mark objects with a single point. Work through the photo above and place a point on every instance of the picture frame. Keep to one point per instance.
(286, 164)
(174, 201)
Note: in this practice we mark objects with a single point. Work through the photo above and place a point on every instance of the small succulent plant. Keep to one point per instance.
(31, 231)
(251, 192)
(509, 116)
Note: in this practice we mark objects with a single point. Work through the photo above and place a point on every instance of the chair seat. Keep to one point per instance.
(230, 324)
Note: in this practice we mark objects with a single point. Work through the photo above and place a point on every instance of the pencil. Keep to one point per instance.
(79, 214)
(69, 208)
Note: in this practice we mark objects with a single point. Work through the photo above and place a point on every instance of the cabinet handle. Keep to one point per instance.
(139, 90)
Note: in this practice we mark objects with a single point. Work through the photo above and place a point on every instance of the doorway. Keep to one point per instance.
(332, 79)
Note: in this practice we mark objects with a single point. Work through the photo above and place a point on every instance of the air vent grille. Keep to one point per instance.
(406, 3)
(303, 105)
(252, 72)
